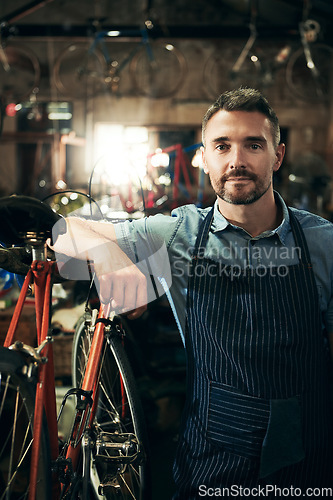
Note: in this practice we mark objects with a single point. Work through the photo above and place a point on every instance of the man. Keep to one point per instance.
(252, 286)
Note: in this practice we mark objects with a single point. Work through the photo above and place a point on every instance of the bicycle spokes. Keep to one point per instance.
(15, 442)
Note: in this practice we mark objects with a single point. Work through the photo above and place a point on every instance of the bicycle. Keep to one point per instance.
(105, 454)
(157, 69)
(20, 70)
(246, 68)
(307, 69)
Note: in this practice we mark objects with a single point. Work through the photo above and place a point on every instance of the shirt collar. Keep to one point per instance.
(220, 223)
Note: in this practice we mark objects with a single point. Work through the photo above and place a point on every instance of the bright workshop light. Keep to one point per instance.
(61, 184)
(160, 159)
(165, 180)
(120, 153)
(59, 111)
(197, 159)
(59, 116)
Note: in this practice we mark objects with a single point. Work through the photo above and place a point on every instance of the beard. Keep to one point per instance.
(239, 196)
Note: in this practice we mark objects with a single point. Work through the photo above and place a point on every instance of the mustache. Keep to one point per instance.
(239, 172)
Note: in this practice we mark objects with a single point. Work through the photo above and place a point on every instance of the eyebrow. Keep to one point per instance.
(250, 138)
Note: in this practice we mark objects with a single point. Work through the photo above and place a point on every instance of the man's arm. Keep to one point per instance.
(118, 279)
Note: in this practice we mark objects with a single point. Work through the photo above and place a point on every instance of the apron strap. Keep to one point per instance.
(304, 254)
(203, 233)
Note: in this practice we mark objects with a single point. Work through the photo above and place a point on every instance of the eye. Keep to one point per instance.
(221, 147)
(255, 146)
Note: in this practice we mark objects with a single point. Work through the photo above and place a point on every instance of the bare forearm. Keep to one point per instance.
(82, 237)
(102, 228)
(118, 279)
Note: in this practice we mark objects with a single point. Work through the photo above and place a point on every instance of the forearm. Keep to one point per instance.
(116, 277)
(83, 237)
(106, 229)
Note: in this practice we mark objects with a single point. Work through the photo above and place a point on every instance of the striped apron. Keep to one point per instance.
(258, 410)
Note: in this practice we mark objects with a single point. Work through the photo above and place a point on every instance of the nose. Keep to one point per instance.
(237, 158)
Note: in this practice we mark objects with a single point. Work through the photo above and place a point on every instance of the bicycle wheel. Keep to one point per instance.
(119, 413)
(307, 84)
(17, 401)
(158, 70)
(79, 72)
(218, 75)
(19, 73)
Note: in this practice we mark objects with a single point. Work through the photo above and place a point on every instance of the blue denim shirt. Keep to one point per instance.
(271, 251)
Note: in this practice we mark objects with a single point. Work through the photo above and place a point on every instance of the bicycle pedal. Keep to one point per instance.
(122, 448)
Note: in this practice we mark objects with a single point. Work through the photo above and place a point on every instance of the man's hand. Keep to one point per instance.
(125, 288)
(117, 279)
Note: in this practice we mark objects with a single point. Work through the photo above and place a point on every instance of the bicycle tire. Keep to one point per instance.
(112, 416)
(218, 76)
(79, 72)
(17, 402)
(160, 75)
(300, 79)
(19, 73)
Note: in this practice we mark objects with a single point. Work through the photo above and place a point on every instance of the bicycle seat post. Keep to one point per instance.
(38, 246)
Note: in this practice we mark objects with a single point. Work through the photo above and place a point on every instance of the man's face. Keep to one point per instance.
(239, 155)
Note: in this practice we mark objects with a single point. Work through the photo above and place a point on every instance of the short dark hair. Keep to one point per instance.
(243, 99)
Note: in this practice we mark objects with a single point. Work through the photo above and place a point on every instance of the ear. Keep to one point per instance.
(279, 155)
(203, 156)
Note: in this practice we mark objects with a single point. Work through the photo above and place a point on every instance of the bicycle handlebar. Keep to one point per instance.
(13, 260)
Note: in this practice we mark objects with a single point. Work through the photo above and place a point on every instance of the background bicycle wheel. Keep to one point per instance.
(300, 78)
(19, 73)
(218, 74)
(79, 72)
(161, 76)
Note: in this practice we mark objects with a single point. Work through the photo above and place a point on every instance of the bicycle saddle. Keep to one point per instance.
(24, 215)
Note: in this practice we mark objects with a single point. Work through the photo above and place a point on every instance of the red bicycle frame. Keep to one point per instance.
(40, 275)
(91, 377)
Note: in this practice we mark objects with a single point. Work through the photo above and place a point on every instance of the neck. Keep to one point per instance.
(255, 218)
